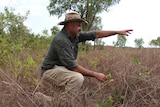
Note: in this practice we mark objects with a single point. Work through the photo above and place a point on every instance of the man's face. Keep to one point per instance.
(75, 28)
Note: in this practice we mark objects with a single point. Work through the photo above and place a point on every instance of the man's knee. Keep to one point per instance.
(79, 78)
(75, 82)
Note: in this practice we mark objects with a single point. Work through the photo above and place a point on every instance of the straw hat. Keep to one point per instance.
(72, 16)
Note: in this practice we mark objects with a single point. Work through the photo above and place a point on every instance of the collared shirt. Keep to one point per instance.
(64, 49)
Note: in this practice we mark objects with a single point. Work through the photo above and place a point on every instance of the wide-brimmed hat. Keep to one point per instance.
(72, 16)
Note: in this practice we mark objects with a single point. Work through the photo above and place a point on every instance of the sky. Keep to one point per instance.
(140, 15)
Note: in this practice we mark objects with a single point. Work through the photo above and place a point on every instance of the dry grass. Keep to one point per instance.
(136, 81)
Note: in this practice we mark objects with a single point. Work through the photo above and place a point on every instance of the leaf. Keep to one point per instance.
(109, 76)
(136, 61)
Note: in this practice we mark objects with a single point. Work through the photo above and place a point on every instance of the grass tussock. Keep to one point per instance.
(133, 80)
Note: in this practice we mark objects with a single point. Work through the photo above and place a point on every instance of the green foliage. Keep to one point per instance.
(16, 41)
(118, 97)
(144, 74)
(121, 98)
(139, 43)
(23, 68)
(8, 48)
(12, 24)
(109, 103)
(85, 46)
(109, 77)
(88, 9)
(95, 63)
(141, 73)
(12, 34)
(55, 30)
(37, 42)
(96, 24)
(121, 41)
(158, 40)
(99, 44)
(101, 104)
(35, 81)
(155, 42)
(58, 7)
(30, 61)
(45, 32)
(136, 61)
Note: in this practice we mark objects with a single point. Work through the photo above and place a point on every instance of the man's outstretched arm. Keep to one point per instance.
(103, 33)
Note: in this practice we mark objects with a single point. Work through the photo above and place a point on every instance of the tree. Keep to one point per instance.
(158, 40)
(13, 34)
(13, 24)
(155, 42)
(139, 43)
(99, 44)
(89, 9)
(54, 30)
(45, 32)
(121, 41)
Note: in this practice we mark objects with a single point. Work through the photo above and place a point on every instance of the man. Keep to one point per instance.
(59, 66)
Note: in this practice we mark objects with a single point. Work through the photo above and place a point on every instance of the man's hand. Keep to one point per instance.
(101, 77)
(125, 32)
(103, 33)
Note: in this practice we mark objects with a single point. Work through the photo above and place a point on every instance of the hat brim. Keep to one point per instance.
(73, 20)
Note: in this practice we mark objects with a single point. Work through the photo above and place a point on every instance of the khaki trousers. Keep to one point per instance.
(61, 77)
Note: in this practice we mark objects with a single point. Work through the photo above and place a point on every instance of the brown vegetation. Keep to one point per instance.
(133, 81)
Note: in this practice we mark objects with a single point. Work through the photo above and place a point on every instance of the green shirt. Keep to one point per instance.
(64, 49)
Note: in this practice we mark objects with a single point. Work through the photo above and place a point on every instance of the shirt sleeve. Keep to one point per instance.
(84, 36)
(66, 54)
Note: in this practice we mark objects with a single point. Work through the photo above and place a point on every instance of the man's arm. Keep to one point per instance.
(99, 76)
(101, 33)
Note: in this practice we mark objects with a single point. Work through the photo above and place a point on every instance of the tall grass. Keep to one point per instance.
(134, 73)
